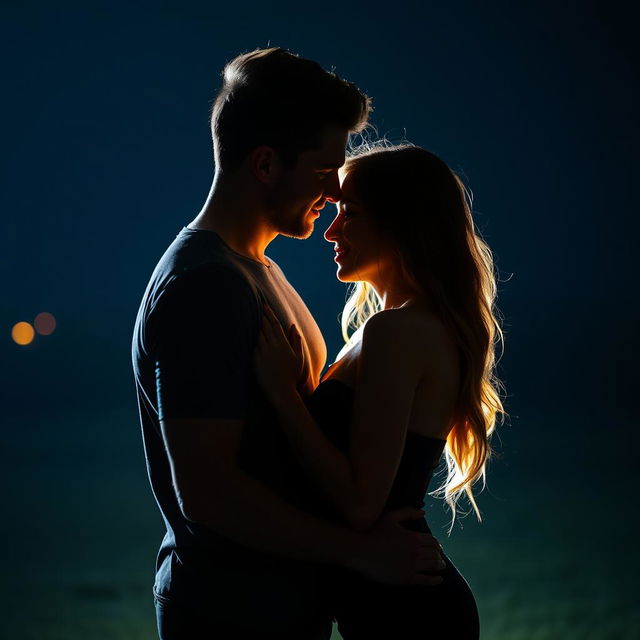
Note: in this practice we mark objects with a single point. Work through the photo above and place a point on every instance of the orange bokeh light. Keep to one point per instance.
(45, 323)
(22, 333)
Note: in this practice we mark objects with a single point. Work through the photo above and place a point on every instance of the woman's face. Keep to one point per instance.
(362, 251)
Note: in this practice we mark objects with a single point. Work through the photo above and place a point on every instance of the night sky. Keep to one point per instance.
(106, 154)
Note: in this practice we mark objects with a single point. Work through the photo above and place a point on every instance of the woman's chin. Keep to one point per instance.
(344, 276)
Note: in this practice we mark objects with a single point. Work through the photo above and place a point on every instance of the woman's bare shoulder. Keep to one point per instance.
(414, 323)
(415, 330)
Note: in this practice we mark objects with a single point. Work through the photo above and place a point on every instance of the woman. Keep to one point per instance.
(416, 378)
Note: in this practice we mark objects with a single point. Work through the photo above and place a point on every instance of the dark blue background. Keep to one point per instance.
(106, 154)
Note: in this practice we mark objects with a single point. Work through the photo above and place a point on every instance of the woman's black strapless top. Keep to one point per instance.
(365, 609)
(331, 405)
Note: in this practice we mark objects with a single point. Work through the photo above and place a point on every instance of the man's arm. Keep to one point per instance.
(208, 328)
(214, 492)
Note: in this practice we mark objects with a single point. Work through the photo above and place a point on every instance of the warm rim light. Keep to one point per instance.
(45, 323)
(22, 333)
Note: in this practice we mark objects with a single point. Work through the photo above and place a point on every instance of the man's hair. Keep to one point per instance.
(275, 98)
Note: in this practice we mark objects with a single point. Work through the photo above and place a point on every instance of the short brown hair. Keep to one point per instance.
(273, 97)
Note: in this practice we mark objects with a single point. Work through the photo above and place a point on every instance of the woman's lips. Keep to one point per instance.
(340, 254)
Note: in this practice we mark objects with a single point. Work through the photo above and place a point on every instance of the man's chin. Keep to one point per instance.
(299, 232)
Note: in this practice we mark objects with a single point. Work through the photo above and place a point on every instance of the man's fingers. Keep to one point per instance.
(422, 579)
(427, 540)
(407, 513)
(431, 561)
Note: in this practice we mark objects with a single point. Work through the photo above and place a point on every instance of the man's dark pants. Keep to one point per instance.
(177, 623)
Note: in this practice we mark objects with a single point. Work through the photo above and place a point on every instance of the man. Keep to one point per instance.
(241, 559)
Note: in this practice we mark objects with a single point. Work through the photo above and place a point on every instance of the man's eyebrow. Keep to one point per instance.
(332, 165)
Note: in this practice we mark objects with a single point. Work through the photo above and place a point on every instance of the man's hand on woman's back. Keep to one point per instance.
(396, 555)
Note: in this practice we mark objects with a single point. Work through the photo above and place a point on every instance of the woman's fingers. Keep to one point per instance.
(277, 332)
(272, 318)
(270, 324)
(295, 339)
(266, 333)
(274, 324)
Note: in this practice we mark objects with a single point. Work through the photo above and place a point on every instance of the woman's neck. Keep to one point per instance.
(394, 293)
(395, 299)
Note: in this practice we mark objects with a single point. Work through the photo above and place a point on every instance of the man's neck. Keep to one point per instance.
(237, 218)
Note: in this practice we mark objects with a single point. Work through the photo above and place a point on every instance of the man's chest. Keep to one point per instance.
(291, 309)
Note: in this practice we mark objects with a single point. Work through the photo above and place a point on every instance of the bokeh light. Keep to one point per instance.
(45, 323)
(22, 333)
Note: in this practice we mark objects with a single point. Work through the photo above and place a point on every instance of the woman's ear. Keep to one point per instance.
(265, 164)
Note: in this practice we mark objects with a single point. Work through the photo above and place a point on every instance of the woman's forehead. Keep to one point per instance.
(346, 179)
(347, 188)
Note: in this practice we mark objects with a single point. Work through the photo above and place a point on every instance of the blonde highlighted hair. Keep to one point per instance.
(418, 202)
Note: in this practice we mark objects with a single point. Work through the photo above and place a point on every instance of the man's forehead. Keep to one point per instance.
(331, 150)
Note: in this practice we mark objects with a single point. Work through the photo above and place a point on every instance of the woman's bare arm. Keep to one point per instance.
(390, 366)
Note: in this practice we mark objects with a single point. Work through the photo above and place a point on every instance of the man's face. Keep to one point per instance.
(302, 192)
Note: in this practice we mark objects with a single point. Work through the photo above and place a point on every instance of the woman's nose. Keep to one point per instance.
(333, 232)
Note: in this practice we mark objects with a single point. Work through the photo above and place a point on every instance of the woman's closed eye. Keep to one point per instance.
(347, 211)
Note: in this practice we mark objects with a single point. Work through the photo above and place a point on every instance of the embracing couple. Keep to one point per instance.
(293, 497)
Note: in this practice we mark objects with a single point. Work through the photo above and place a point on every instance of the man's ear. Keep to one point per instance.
(265, 164)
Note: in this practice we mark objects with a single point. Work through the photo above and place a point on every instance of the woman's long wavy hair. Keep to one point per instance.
(415, 200)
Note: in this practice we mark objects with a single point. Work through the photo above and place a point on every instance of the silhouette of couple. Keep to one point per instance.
(292, 498)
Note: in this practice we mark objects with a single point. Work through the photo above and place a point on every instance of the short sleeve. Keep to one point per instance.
(207, 327)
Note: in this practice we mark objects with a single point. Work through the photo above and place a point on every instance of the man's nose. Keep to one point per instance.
(332, 188)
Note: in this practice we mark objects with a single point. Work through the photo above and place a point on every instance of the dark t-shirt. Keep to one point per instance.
(192, 357)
